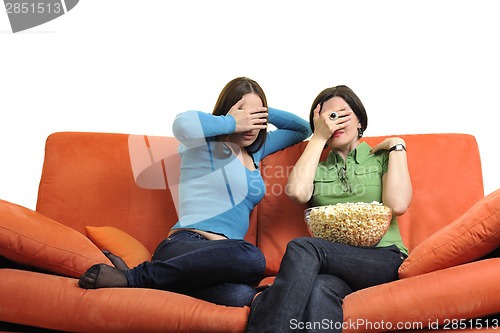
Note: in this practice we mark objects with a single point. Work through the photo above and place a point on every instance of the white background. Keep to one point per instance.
(129, 66)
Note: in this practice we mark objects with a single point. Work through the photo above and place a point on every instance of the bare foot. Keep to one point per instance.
(103, 276)
(116, 260)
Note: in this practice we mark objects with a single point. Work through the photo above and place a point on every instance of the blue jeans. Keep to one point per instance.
(220, 271)
(314, 277)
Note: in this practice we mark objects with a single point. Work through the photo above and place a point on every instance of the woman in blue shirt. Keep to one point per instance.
(205, 255)
(316, 274)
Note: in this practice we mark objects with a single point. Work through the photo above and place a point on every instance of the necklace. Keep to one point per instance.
(342, 174)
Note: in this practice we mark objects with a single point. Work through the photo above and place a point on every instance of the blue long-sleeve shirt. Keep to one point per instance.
(217, 194)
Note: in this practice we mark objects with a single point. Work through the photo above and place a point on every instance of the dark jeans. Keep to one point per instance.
(314, 277)
(220, 271)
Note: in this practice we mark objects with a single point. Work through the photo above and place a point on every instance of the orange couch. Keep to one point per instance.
(114, 191)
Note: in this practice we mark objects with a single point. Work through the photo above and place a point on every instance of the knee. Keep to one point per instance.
(254, 257)
(299, 242)
(303, 245)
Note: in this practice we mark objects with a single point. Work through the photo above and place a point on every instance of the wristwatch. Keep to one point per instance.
(397, 147)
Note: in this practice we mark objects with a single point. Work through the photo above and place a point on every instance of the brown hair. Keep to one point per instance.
(347, 95)
(232, 93)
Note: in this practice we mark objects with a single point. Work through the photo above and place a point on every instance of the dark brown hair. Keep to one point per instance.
(232, 93)
(348, 96)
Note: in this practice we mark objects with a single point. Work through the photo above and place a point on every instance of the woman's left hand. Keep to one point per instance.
(387, 144)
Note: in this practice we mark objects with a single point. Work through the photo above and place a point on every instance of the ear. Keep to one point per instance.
(360, 131)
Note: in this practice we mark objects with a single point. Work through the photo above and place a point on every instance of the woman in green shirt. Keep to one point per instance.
(316, 274)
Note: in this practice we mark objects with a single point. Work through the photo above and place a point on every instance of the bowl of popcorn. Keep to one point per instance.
(356, 224)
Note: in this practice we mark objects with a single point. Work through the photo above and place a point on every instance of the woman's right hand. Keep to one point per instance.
(324, 126)
(248, 119)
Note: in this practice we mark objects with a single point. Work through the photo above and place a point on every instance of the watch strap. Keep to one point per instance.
(397, 147)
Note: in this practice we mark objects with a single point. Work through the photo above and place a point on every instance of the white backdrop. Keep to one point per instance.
(129, 66)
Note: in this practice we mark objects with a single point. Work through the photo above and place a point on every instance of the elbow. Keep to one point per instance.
(398, 199)
(298, 199)
(307, 132)
(180, 128)
(399, 210)
(399, 207)
(303, 131)
(187, 126)
(296, 196)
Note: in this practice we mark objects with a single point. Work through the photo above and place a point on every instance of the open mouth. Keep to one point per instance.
(336, 134)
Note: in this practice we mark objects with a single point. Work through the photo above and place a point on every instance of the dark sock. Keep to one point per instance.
(103, 276)
(117, 261)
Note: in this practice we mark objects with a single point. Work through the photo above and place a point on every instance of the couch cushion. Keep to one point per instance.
(471, 236)
(57, 303)
(29, 238)
(119, 243)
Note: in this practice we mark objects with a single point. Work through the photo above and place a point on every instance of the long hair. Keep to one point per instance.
(347, 95)
(232, 93)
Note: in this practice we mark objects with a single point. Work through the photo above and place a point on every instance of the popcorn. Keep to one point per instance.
(357, 224)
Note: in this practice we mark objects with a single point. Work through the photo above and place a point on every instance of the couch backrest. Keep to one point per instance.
(127, 181)
(87, 180)
(107, 179)
(446, 177)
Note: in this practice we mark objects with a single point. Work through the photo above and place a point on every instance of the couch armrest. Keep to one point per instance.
(466, 291)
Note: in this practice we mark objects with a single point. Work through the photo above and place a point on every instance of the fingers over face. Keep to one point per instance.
(238, 104)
